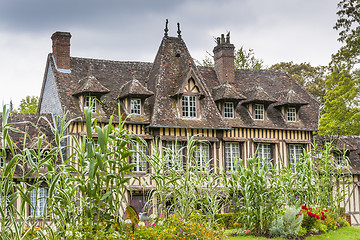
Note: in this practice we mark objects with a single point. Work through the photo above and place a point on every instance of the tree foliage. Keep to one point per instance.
(243, 59)
(28, 104)
(310, 77)
(348, 25)
(341, 113)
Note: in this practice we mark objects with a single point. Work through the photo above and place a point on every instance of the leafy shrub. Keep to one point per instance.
(321, 228)
(302, 231)
(343, 222)
(287, 225)
(225, 219)
(175, 227)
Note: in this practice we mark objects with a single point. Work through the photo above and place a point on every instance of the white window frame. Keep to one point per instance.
(291, 114)
(202, 155)
(38, 199)
(259, 112)
(340, 161)
(229, 110)
(189, 106)
(137, 157)
(87, 103)
(175, 149)
(135, 106)
(232, 155)
(295, 154)
(264, 152)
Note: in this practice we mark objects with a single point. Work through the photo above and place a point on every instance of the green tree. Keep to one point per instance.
(341, 114)
(244, 59)
(28, 104)
(310, 77)
(348, 25)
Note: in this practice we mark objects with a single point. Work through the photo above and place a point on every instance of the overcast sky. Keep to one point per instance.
(131, 30)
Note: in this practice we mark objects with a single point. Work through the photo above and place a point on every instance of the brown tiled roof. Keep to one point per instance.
(226, 92)
(90, 84)
(258, 94)
(290, 98)
(165, 78)
(33, 125)
(134, 88)
(341, 143)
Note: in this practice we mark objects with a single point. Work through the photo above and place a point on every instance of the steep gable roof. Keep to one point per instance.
(173, 66)
(226, 92)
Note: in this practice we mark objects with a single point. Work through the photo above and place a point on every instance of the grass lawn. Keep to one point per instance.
(346, 233)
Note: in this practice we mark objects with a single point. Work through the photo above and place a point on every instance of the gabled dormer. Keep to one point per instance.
(132, 97)
(289, 104)
(89, 92)
(227, 98)
(188, 96)
(257, 102)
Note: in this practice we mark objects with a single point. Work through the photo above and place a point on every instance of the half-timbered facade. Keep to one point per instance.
(237, 112)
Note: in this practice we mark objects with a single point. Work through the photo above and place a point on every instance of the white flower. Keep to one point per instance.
(128, 221)
(141, 224)
(152, 216)
(160, 223)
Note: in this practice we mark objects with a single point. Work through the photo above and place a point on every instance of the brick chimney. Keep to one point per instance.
(224, 59)
(61, 49)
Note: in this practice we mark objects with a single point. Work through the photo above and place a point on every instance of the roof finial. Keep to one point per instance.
(166, 28)
(179, 31)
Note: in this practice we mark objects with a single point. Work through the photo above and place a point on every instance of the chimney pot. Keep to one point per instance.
(224, 60)
(61, 49)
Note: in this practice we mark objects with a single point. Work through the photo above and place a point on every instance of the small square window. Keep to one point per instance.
(135, 106)
(229, 110)
(90, 102)
(189, 106)
(340, 159)
(259, 111)
(291, 114)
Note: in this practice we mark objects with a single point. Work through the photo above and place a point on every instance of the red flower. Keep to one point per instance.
(322, 218)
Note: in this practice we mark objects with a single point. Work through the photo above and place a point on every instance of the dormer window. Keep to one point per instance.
(135, 106)
(259, 112)
(291, 114)
(228, 110)
(189, 107)
(90, 102)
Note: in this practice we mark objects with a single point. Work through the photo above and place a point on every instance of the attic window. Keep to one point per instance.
(135, 106)
(90, 102)
(189, 106)
(228, 110)
(291, 114)
(259, 112)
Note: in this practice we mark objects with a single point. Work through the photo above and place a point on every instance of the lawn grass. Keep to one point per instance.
(346, 233)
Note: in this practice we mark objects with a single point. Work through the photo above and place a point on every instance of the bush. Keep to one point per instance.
(225, 219)
(287, 225)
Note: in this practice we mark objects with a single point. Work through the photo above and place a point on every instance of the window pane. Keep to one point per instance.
(135, 106)
(259, 111)
(38, 199)
(232, 154)
(90, 100)
(264, 152)
(229, 110)
(174, 155)
(138, 155)
(201, 155)
(291, 114)
(295, 153)
(189, 106)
